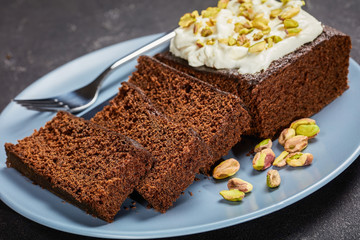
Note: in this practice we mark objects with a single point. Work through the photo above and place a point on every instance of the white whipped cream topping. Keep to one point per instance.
(223, 56)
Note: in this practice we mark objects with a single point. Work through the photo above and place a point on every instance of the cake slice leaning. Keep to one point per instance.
(179, 152)
(297, 85)
(217, 116)
(85, 164)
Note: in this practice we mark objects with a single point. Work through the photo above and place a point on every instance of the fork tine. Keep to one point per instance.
(45, 100)
(47, 109)
(53, 104)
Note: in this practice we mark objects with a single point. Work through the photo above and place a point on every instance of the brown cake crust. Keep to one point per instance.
(179, 152)
(84, 164)
(297, 85)
(218, 117)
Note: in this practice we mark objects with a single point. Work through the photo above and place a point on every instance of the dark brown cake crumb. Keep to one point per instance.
(190, 193)
(83, 163)
(218, 117)
(179, 152)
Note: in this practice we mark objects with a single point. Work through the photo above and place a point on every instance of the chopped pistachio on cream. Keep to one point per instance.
(244, 34)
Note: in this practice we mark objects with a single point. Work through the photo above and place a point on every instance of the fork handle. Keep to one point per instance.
(167, 37)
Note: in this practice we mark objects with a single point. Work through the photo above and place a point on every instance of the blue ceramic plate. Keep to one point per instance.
(334, 149)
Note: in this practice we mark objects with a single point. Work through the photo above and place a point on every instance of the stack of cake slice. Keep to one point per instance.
(178, 152)
(219, 117)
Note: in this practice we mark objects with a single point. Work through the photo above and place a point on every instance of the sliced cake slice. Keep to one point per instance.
(217, 116)
(179, 152)
(85, 164)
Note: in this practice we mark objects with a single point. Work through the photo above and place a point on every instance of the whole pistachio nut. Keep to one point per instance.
(267, 143)
(285, 135)
(296, 144)
(257, 47)
(239, 184)
(308, 130)
(260, 22)
(233, 195)
(276, 12)
(226, 168)
(292, 31)
(290, 23)
(280, 160)
(290, 13)
(299, 159)
(302, 121)
(263, 160)
(273, 179)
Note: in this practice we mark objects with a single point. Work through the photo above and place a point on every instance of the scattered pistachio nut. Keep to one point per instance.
(210, 12)
(197, 27)
(280, 161)
(308, 130)
(257, 47)
(223, 3)
(226, 168)
(273, 179)
(285, 135)
(242, 40)
(266, 31)
(267, 143)
(276, 12)
(260, 22)
(277, 39)
(233, 195)
(270, 42)
(257, 36)
(302, 121)
(296, 144)
(199, 43)
(206, 31)
(306, 127)
(231, 41)
(188, 19)
(210, 42)
(299, 159)
(290, 13)
(245, 31)
(292, 31)
(239, 184)
(263, 160)
(285, 1)
(290, 23)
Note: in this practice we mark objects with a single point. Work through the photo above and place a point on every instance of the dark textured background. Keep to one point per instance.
(38, 36)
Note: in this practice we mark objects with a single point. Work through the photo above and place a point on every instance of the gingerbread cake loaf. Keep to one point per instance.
(85, 164)
(179, 152)
(217, 116)
(298, 84)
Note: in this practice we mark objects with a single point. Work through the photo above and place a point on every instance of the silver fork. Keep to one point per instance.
(82, 98)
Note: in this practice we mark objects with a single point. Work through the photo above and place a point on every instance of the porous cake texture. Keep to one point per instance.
(297, 85)
(85, 164)
(179, 151)
(218, 117)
